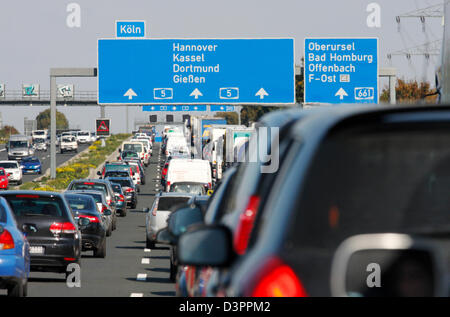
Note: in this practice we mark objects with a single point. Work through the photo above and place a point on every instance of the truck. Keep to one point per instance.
(236, 141)
(213, 149)
(39, 134)
(200, 131)
(19, 146)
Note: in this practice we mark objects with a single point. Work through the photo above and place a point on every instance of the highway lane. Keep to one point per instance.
(128, 269)
(44, 156)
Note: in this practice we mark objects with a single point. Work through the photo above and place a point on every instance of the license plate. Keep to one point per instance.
(36, 250)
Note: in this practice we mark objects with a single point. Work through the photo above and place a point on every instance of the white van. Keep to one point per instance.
(189, 170)
(83, 136)
(176, 144)
(137, 147)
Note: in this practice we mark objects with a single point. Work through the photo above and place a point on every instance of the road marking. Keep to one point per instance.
(2, 150)
(141, 277)
(145, 261)
(147, 250)
(136, 295)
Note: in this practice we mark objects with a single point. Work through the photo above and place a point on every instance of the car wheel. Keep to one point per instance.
(15, 290)
(101, 252)
(149, 244)
(124, 212)
(115, 223)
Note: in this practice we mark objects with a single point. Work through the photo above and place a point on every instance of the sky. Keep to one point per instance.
(34, 37)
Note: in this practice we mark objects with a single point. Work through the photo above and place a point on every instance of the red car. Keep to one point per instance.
(4, 183)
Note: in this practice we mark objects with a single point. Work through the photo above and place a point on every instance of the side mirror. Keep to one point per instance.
(163, 236)
(99, 173)
(107, 212)
(182, 218)
(209, 192)
(388, 265)
(83, 222)
(206, 246)
(120, 150)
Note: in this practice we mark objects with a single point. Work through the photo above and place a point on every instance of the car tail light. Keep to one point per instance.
(91, 218)
(121, 198)
(164, 171)
(27, 196)
(277, 279)
(245, 225)
(154, 211)
(88, 183)
(104, 208)
(62, 227)
(129, 190)
(6, 240)
(69, 259)
(209, 186)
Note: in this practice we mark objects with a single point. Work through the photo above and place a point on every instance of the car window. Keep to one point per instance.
(89, 186)
(9, 165)
(2, 172)
(123, 182)
(34, 205)
(196, 189)
(375, 180)
(166, 203)
(80, 203)
(3, 218)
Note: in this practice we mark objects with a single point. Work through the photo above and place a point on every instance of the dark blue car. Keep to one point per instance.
(14, 254)
(31, 165)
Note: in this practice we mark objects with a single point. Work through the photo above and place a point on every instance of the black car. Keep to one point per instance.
(121, 204)
(93, 235)
(51, 230)
(129, 189)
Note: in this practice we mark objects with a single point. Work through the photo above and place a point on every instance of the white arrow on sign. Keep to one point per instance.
(341, 93)
(196, 93)
(261, 93)
(130, 94)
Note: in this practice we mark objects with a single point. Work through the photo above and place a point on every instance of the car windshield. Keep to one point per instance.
(30, 160)
(8, 165)
(196, 189)
(117, 188)
(80, 202)
(18, 144)
(38, 133)
(70, 139)
(376, 180)
(83, 133)
(39, 141)
(24, 205)
(129, 154)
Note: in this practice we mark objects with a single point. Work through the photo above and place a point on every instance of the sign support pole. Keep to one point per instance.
(61, 72)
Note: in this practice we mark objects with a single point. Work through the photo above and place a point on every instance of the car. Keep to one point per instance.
(13, 170)
(156, 218)
(138, 147)
(121, 204)
(14, 254)
(68, 143)
(100, 185)
(40, 144)
(83, 137)
(4, 182)
(115, 166)
(53, 234)
(140, 171)
(128, 154)
(309, 247)
(93, 234)
(129, 189)
(102, 206)
(31, 165)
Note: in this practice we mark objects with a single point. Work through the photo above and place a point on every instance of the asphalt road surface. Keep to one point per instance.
(128, 269)
(44, 157)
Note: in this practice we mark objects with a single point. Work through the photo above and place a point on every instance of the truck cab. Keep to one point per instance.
(19, 147)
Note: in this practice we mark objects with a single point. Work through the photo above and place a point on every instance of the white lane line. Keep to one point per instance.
(141, 277)
(2, 150)
(145, 261)
(136, 295)
(147, 250)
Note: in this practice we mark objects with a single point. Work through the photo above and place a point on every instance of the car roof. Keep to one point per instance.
(82, 191)
(33, 192)
(164, 194)
(90, 180)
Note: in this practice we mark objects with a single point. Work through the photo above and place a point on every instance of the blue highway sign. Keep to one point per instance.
(174, 108)
(341, 70)
(196, 71)
(222, 108)
(130, 29)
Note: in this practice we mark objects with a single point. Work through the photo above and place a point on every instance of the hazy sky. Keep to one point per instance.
(34, 36)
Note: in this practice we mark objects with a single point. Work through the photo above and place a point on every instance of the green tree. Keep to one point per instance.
(410, 92)
(43, 120)
(231, 117)
(7, 130)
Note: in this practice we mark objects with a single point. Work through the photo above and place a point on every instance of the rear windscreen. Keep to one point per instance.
(80, 203)
(122, 182)
(166, 203)
(132, 147)
(33, 205)
(90, 186)
(117, 174)
(8, 165)
(376, 179)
